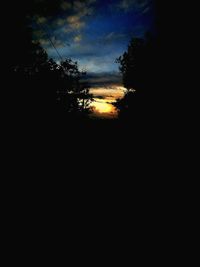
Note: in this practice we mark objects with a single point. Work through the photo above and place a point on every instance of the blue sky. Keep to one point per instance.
(95, 32)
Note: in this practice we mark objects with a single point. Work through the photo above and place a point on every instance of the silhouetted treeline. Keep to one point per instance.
(138, 67)
(149, 66)
(72, 95)
(32, 76)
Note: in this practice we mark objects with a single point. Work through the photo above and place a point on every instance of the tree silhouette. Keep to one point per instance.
(30, 70)
(137, 66)
(72, 95)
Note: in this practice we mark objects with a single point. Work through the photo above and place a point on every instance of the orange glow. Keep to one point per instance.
(103, 107)
(103, 99)
(112, 93)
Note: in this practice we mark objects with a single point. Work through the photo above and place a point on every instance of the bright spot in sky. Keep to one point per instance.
(103, 99)
(104, 107)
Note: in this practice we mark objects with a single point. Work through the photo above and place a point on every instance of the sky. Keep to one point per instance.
(95, 32)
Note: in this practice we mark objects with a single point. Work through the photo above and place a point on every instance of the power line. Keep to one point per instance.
(50, 40)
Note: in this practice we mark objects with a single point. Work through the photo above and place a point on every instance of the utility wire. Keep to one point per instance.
(50, 40)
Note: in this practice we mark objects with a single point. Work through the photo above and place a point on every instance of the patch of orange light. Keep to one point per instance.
(112, 93)
(103, 99)
(103, 107)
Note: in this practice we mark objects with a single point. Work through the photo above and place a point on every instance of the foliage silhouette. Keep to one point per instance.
(138, 68)
(30, 70)
(72, 95)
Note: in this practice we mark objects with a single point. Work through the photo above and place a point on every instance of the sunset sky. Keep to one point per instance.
(95, 32)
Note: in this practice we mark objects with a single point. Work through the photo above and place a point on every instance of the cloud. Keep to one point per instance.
(83, 8)
(45, 42)
(78, 5)
(95, 64)
(112, 37)
(99, 96)
(76, 21)
(127, 5)
(93, 58)
(71, 20)
(96, 41)
(66, 5)
(78, 38)
(107, 94)
(60, 22)
(74, 27)
(38, 34)
(57, 42)
(40, 20)
(104, 79)
(146, 10)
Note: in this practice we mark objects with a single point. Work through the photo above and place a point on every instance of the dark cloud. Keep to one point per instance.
(69, 17)
(103, 79)
(100, 97)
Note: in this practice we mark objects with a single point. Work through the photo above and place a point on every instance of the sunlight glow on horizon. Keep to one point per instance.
(103, 98)
(103, 109)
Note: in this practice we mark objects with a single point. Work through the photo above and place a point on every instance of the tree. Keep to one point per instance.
(137, 66)
(132, 64)
(30, 70)
(72, 95)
